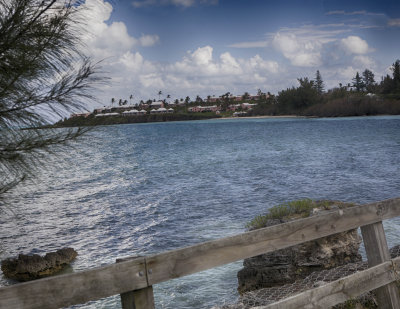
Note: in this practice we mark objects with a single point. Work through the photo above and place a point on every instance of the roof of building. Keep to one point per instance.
(132, 111)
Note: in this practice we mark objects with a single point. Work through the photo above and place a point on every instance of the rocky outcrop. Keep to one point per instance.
(30, 267)
(297, 262)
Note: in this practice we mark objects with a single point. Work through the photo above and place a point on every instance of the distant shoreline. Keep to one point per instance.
(83, 122)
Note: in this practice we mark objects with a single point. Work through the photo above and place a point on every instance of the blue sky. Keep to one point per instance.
(210, 47)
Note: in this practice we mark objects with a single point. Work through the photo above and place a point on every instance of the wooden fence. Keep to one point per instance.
(133, 278)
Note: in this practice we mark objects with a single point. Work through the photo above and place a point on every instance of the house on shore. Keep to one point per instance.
(80, 115)
(107, 114)
(162, 110)
(248, 105)
(200, 109)
(134, 112)
(157, 104)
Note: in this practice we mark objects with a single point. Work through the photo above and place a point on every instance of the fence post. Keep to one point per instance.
(137, 299)
(378, 252)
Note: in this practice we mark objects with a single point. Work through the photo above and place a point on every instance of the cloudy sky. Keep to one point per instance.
(210, 47)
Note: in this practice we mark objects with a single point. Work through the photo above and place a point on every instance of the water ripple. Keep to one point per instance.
(146, 188)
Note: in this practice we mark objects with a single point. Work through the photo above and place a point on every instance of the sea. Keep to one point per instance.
(140, 189)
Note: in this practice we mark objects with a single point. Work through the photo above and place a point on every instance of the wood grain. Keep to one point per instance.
(139, 273)
(378, 252)
(339, 291)
(181, 262)
(75, 288)
(139, 299)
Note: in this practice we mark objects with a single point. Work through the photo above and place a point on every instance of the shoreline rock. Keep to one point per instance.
(294, 263)
(31, 267)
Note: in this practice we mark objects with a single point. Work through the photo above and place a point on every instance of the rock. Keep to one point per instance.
(288, 265)
(30, 267)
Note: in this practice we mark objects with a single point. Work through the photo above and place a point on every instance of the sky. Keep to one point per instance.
(210, 47)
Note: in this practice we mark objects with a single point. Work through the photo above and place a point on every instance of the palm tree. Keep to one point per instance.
(165, 101)
(120, 102)
(130, 99)
(112, 101)
(159, 94)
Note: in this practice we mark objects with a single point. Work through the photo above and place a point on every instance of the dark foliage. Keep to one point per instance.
(42, 74)
(111, 120)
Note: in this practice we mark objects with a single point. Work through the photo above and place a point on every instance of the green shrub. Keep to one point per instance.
(294, 209)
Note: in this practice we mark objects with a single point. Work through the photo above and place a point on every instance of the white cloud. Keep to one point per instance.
(362, 61)
(149, 40)
(181, 3)
(308, 45)
(108, 40)
(324, 33)
(198, 72)
(316, 46)
(139, 4)
(202, 56)
(255, 44)
(394, 22)
(257, 63)
(185, 3)
(300, 51)
(347, 73)
(202, 71)
(152, 80)
(229, 65)
(355, 45)
(134, 63)
(362, 13)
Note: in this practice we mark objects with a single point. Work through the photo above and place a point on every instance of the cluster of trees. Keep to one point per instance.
(96, 121)
(364, 96)
(122, 102)
(391, 84)
(224, 100)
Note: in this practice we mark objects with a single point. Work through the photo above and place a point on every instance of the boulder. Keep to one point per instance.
(288, 265)
(30, 267)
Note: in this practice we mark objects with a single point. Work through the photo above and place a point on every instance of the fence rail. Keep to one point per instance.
(133, 278)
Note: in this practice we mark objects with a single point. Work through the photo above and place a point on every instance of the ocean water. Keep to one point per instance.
(146, 188)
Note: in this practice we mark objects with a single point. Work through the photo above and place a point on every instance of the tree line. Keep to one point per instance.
(363, 96)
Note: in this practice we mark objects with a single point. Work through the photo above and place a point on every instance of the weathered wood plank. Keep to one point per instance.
(139, 299)
(339, 291)
(128, 300)
(378, 252)
(123, 277)
(376, 247)
(185, 261)
(76, 288)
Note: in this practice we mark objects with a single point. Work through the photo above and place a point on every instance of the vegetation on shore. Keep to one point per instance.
(362, 97)
(96, 121)
(291, 210)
